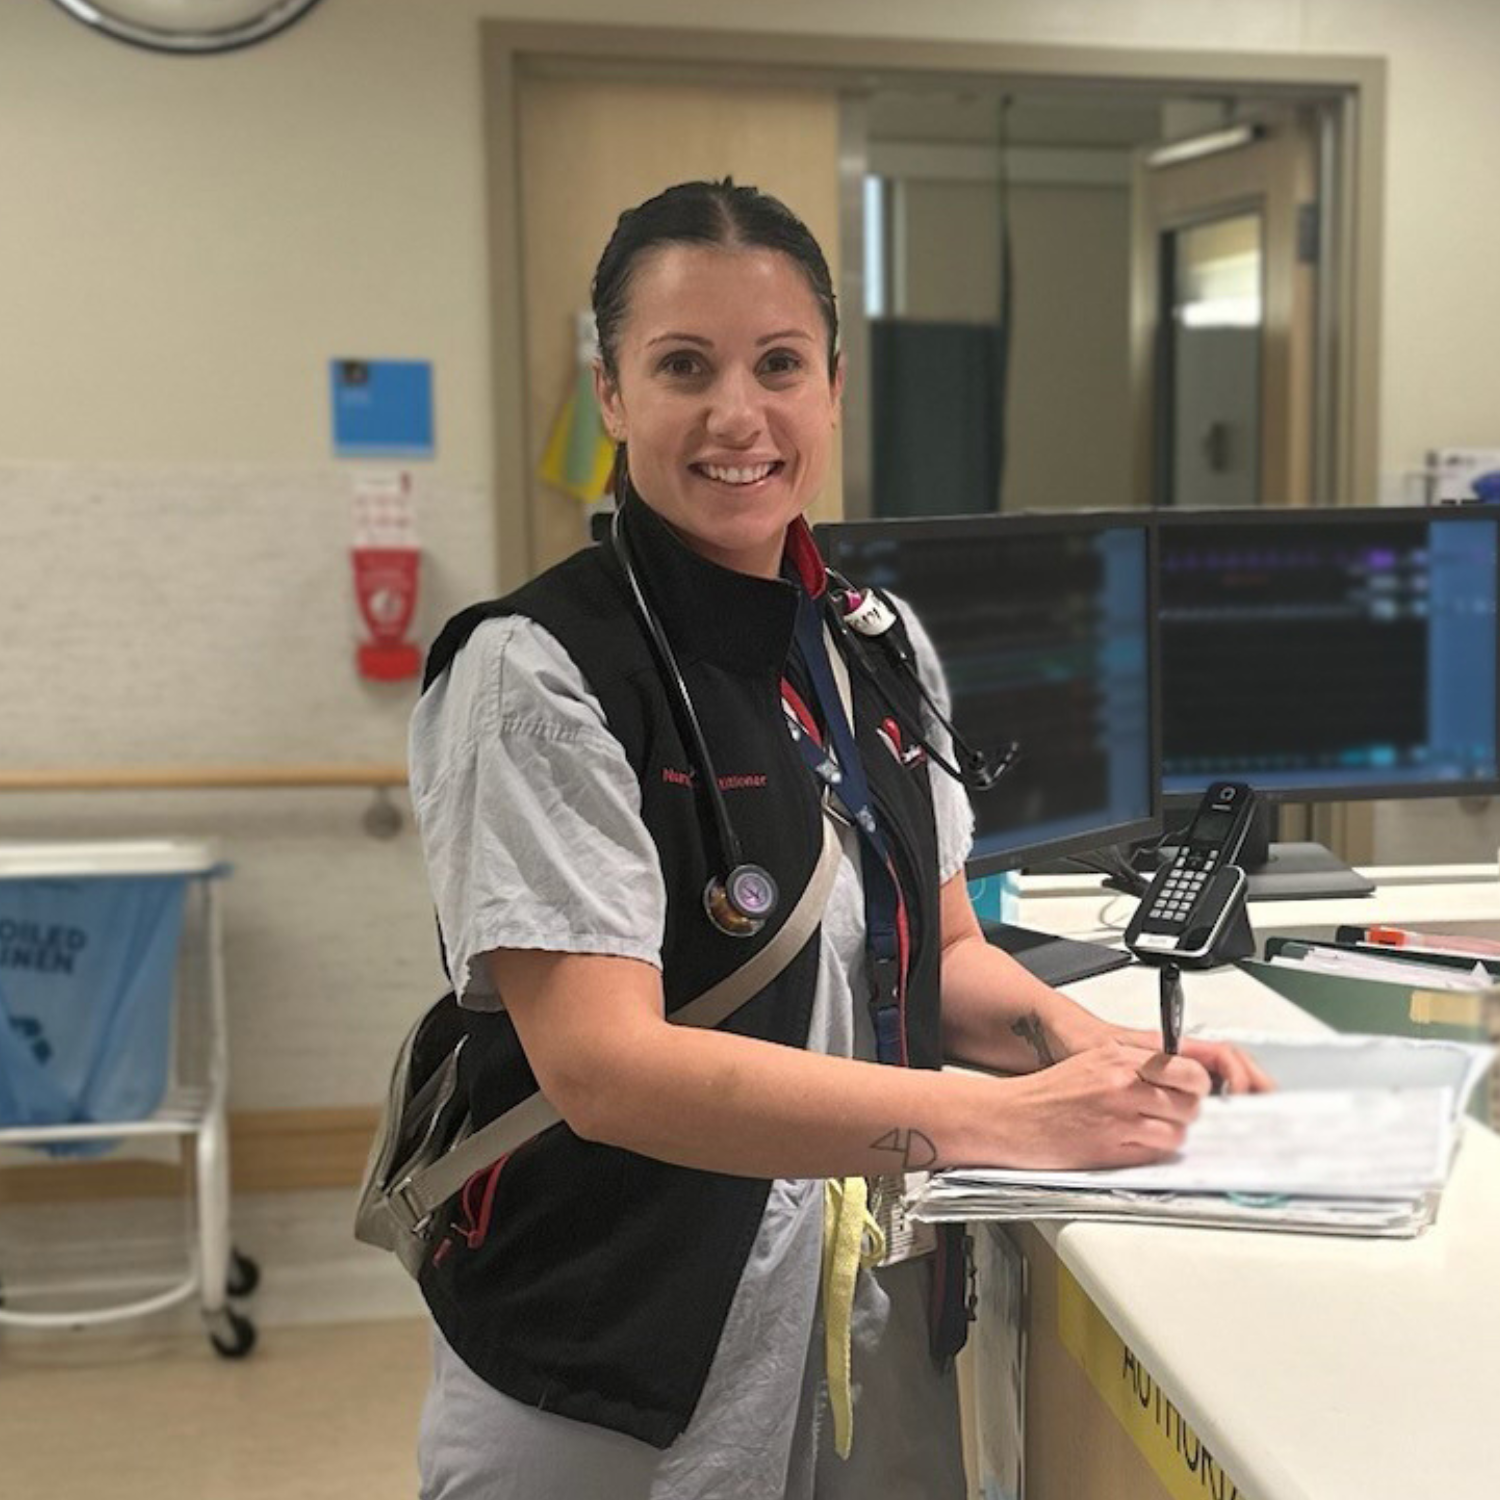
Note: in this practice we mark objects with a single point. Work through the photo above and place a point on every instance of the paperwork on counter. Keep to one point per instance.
(1358, 1139)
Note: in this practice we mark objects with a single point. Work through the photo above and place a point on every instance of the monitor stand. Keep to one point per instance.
(1054, 960)
(1294, 872)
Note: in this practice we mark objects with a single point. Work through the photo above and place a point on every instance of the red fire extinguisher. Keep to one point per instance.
(387, 565)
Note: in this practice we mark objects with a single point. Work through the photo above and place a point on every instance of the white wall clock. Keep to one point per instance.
(188, 25)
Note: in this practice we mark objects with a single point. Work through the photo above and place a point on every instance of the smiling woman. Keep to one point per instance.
(665, 1294)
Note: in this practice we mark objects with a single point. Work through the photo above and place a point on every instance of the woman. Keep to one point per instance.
(629, 1306)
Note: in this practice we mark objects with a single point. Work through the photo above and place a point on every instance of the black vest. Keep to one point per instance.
(603, 1283)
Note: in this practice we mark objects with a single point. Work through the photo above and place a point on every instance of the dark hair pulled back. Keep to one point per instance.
(705, 213)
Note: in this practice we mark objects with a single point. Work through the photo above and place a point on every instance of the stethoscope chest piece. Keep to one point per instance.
(739, 905)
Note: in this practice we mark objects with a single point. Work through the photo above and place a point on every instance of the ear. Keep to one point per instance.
(610, 406)
(837, 389)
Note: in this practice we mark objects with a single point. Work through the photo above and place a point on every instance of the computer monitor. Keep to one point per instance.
(1330, 655)
(1045, 629)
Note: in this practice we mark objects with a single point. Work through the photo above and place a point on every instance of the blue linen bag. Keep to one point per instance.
(87, 972)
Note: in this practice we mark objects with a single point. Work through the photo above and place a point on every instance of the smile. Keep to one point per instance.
(738, 476)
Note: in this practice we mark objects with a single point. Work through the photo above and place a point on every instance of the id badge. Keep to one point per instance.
(905, 1238)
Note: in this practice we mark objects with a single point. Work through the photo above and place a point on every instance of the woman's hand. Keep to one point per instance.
(1231, 1070)
(1112, 1105)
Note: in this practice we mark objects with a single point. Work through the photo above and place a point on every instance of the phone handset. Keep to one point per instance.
(1193, 913)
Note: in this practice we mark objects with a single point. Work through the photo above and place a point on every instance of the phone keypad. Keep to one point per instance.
(1188, 874)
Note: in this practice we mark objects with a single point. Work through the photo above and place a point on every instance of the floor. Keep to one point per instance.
(317, 1412)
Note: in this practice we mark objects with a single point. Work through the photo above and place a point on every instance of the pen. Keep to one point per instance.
(1171, 1009)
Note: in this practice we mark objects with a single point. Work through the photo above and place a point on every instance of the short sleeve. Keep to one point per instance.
(529, 812)
(951, 808)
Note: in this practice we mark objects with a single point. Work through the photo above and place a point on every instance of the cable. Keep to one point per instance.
(982, 773)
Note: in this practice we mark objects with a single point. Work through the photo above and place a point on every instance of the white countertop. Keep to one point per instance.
(1315, 1368)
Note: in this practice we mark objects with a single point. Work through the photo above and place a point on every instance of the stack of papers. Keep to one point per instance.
(1358, 1139)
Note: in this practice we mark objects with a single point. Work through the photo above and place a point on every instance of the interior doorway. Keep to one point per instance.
(1096, 296)
(943, 127)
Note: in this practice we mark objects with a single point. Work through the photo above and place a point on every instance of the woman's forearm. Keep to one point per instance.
(999, 1015)
(618, 1073)
(729, 1103)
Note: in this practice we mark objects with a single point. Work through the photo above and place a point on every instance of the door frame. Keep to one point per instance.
(1356, 85)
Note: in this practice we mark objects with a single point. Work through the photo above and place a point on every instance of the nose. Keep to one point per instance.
(734, 413)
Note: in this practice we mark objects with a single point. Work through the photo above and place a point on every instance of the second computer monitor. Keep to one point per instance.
(1330, 654)
(1044, 628)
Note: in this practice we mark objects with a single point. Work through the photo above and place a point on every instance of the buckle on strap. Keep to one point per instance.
(885, 981)
(885, 1009)
(408, 1208)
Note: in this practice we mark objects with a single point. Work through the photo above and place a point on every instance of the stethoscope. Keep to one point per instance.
(739, 902)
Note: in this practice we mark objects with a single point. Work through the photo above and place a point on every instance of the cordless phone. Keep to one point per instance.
(1194, 910)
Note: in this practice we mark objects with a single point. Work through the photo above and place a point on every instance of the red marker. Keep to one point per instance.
(1438, 942)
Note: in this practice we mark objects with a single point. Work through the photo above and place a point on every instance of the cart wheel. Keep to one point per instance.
(244, 1275)
(231, 1333)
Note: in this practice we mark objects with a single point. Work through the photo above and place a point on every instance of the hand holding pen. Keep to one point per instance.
(1171, 1024)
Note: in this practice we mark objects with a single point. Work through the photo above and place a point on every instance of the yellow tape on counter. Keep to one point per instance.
(1187, 1470)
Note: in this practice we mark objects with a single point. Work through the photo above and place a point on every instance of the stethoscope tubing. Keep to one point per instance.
(980, 774)
(729, 844)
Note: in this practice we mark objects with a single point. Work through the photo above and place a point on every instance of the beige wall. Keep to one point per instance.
(1069, 432)
(187, 242)
(947, 260)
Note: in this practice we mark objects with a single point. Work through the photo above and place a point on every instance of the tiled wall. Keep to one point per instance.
(204, 617)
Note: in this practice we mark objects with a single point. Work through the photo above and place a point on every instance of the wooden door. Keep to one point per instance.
(590, 147)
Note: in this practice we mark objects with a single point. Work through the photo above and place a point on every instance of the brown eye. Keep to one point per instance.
(681, 364)
(781, 362)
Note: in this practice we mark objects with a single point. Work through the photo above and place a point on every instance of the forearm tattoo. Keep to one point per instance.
(1029, 1029)
(915, 1150)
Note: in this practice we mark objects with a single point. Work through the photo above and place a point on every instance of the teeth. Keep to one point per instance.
(737, 476)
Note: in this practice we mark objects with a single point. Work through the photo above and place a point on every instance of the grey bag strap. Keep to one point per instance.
(421, 1193)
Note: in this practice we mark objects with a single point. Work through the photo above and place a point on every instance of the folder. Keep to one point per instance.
(1358, 1140)
(1461, 963)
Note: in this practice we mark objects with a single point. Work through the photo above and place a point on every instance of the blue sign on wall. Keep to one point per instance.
(381, 407)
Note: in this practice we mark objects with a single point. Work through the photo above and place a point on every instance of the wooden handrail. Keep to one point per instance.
(171, 779)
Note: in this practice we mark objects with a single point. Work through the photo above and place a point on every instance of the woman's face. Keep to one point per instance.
(724, 397)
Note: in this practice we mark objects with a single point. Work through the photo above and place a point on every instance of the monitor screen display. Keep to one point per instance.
(1044, 629)
(1336, 654)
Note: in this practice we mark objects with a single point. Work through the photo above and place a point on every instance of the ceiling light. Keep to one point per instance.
(1190, 148)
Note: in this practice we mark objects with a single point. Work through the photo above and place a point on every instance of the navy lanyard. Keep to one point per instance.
(843, 774)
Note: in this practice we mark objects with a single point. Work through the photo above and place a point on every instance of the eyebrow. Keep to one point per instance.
(693, 338)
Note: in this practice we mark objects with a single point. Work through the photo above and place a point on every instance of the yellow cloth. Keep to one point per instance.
(851, 1239)
(579, 454)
